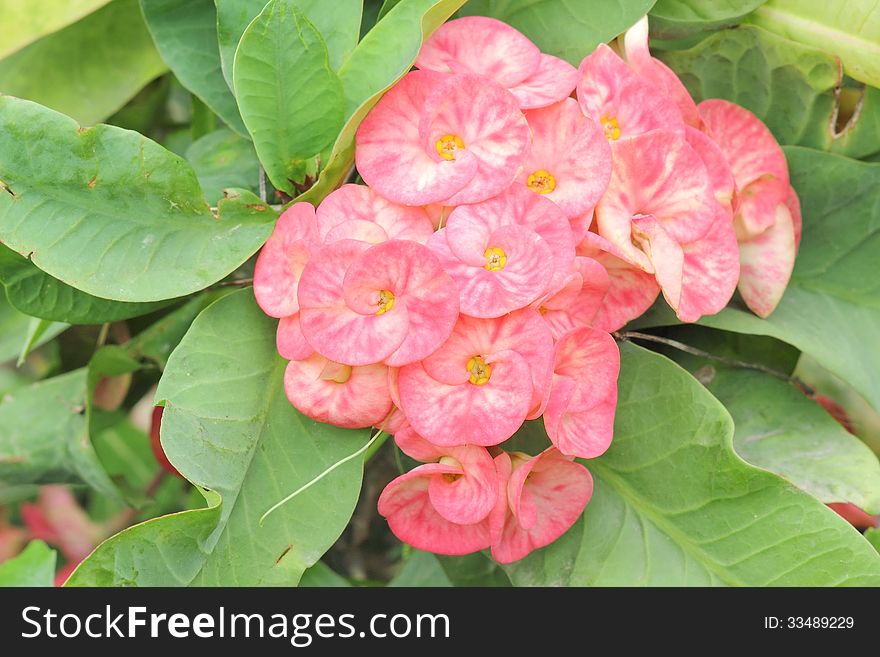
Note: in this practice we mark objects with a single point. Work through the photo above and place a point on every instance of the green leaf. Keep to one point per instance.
(473, 570)
(25, 22)
(780, 429)
(791, 87)
(674, 505)
(35, 293)
(338, 22)
(852, 33)
(873, 536)
(185, 34)
(675, 19)
(831, 309)
(89, 69)
(420, 569)
(223, 160)
(570, 30)
(15, 331)
(44, 435)
(321, 575)
(39, 332)
(382, 57)
(290, 99)
(35, 566)
(112, 213)
(229, 428)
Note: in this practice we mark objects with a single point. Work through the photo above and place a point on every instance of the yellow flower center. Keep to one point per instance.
(450, 476)
(480, 371)
(448, 145)
(541, 181)
(386, 302)
(611, 128)
(495, 258)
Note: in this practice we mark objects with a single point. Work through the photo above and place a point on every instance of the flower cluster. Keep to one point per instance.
(507, 226)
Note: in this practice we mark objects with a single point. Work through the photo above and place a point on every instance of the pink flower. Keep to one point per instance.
(358, 212)
(345, 396)
(489, 47)
(767, 215)
(619, 100)
(578, 300)
(570, 161)
(631, 291)
(579, 418)
(437, 138)
(442, 506)
(482, 383)
(363, 304)
(505, 252)
(541, 498)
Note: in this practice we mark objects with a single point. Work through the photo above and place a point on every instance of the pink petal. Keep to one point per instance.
(483, 46)
(359, 202)
(390, 151)
(424, 294)
(290, 341)
(719, 171)
(608, 89)
(470, 497)
(281, 262)
(665, 254)
(711, 271)
(756, 206)
(553, 80)
(351, 397)
(573, 149)
(488, 120)
(748, 145)
(577, 303)
(406, 505)
(416, 447)
(766, 263)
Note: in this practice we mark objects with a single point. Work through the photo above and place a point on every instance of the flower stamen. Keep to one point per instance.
(541, 182)
(448, 145)
(611, 128)
(496, 258)
(480, 371)
(386, 301)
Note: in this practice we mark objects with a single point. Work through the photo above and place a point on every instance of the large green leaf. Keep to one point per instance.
(290, 99)
(570, 30)
(831, 309)
(230, 429)
(850, 30)
(791, 87)
(223, 160)
(112, 213)
(35, 566)
(420, 569)
(382, 57)
(89, 69)
(674, 505)
(25, 22)
(185, 33)
(780, 429)
(13, 329)
(674, 19)
(35, 293)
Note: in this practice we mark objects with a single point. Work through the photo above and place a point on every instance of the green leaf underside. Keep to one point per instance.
(291, 101)
(223, 160)
(25, 22)
(789, 86)
(35, 566)
(185, 33)
(674, 19)
(89, 69)
(570, 30)
(228, 426)
(850, 29)
(831, 309)
(382, 57)
(674, 505)
(112, 213)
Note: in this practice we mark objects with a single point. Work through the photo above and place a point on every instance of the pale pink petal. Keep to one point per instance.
(395, 421)
(359, 202)
(577, 303)
(711, 271)
(573, 150)
(469, 497)
(553, 80)
(766, 263)
(416, 447)
(483, 46)
(282, 259)
(290, 341)
(748, 145)
(720, 174)
(351, 397)
(486, 117)
(357, 229)
(414, 520)
(390, 151)
(609, 90)
(756, 206)
(665, 254)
